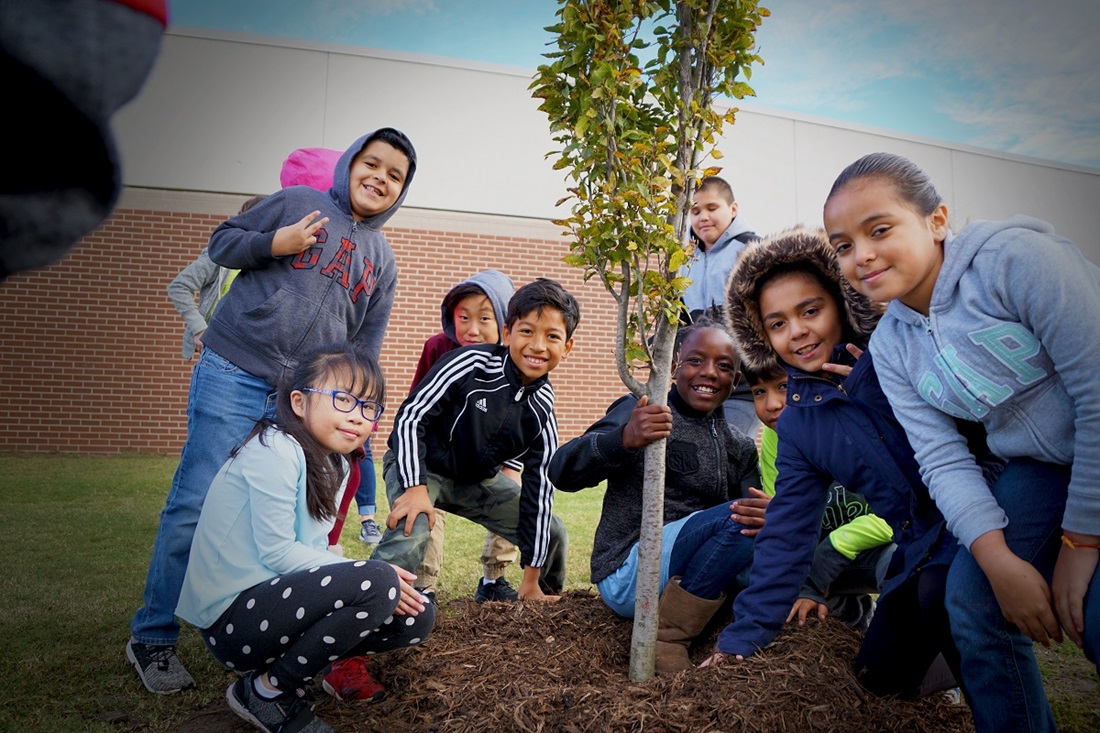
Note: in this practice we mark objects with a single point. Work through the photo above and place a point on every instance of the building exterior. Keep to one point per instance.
(90, 358)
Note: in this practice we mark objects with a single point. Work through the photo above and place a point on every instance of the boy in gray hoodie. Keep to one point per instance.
(471, 313)
(315, 268)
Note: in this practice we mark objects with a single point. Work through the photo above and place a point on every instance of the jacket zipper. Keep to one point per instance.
(826, 381)
(717, 455)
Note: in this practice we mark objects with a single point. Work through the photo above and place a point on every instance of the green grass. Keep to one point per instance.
(78, 532)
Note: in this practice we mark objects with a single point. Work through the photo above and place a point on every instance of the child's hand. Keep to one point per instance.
(648, 424)
(805, 607)
(1072, 574)
(297, 237)
(841, 369)
(412, 503)
(1020, 589)
(719, 658)
(337, 550)
(750, 512)
(410, 603)
(529, 589)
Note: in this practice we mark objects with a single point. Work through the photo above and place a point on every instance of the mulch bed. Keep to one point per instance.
(549, 668)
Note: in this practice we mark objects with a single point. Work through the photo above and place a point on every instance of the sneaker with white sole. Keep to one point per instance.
(289, 711)
(499, 590)
(160, 670)
(370, 533)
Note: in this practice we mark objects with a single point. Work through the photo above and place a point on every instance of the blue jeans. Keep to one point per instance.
(706, 549)
(223, 406)
(1000, 674)
(365, 500)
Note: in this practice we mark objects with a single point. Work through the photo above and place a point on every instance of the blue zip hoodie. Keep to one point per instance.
(280, 308)
(832, 428)
(1012, 340)
(711, 268)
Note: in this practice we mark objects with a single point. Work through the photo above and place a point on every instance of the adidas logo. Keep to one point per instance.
(480, 404)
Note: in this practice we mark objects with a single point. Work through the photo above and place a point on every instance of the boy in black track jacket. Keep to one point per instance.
(477, 408)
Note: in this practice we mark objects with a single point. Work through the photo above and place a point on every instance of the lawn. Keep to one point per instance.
(78, 532)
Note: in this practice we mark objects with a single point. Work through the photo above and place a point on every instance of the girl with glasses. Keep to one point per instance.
(270, 600)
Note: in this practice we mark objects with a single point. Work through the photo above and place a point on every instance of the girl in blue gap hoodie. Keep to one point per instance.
(994, 325)
(789, 304)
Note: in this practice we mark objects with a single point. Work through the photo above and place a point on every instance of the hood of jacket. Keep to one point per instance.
(496, 285)
(794, 246)
(341, 180)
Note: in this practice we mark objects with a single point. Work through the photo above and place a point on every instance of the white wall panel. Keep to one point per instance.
(220, 116)
(220, 112)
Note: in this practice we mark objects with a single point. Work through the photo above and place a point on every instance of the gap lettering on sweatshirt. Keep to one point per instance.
(339, 267)
(1009, 343)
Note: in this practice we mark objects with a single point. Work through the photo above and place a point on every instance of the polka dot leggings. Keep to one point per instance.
(296, 625)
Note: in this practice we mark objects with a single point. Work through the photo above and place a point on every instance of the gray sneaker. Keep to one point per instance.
(160, 670)
(370, 533)
(287, 712)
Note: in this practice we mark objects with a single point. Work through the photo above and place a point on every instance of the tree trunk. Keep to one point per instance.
(644, 640)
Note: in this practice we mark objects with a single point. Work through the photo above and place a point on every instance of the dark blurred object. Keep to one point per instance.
(67, 66)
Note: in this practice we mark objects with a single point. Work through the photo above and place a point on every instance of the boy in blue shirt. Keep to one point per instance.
(315, 269)
(477, 408)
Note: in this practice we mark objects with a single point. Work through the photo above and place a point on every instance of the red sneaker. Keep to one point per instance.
(349, 680)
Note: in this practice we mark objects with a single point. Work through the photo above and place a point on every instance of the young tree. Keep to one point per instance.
(634, 134)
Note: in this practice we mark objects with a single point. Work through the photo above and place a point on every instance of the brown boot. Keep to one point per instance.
(680, 618)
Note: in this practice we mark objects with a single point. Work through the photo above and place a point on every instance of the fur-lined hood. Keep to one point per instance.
(790, 246)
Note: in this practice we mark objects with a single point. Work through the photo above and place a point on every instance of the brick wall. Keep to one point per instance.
(90, 357)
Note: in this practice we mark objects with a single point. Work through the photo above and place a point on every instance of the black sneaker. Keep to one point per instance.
(499, 590)
(288, 712)
(429, 595)
(160, 670)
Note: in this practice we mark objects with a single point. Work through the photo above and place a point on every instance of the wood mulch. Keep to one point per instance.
(549, 668)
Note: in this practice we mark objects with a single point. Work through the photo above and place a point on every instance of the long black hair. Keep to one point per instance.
(356, 372)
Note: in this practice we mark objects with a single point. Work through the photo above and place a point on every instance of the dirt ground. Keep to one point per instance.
(563, 668)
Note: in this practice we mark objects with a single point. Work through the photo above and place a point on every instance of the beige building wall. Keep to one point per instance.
(91, 358)
(220, 113)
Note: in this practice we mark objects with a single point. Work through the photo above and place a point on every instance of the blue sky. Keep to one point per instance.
(1016, 76)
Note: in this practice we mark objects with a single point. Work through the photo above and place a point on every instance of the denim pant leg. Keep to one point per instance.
(395, 548)
(365, 501)
(223, 406)
(1092, 621)
(710, 552)
(1000, 674)
(495, 504)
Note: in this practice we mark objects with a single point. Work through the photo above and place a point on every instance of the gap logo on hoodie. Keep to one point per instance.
(1010, 344)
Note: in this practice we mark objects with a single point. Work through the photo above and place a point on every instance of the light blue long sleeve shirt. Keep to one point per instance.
(254, 527)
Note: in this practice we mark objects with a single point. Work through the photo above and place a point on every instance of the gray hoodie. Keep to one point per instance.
(280, 308)
(712, 265)
(495, 284)
(1012, 340)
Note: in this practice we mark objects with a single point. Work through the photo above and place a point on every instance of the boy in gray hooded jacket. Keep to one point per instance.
(315, 269)
(472, 312)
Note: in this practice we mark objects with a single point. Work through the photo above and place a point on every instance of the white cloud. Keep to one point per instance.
(1026, 75)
